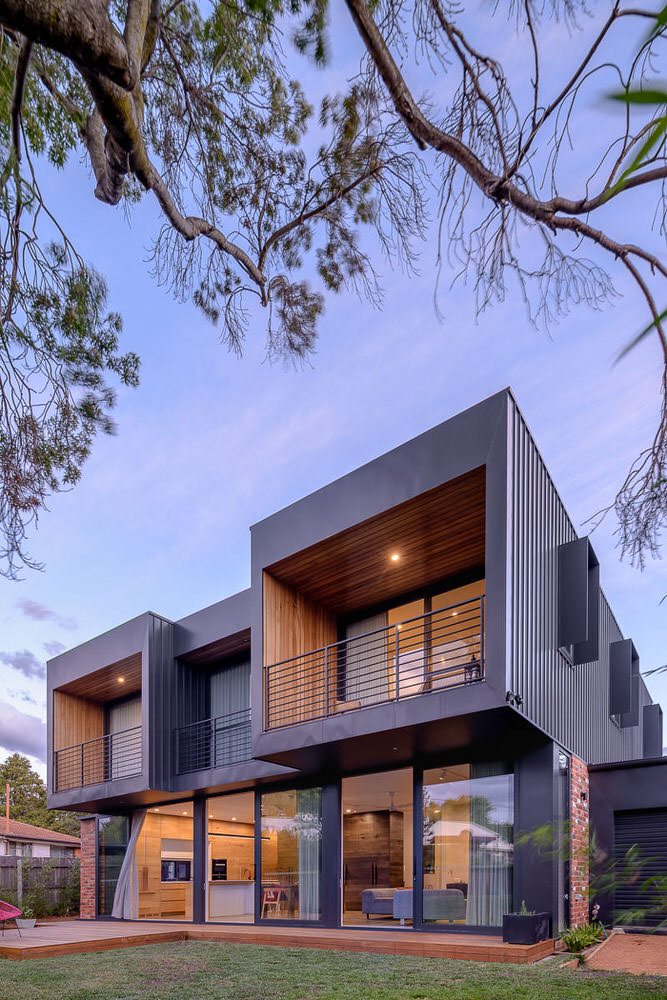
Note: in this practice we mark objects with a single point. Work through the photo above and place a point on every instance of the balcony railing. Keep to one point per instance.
(441, 649)
(213, 742)
(117, 755)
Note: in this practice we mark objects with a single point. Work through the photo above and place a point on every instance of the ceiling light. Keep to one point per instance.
(121, 680)
(233, 819)
(185, 813)
(348, 810)
(395, 557)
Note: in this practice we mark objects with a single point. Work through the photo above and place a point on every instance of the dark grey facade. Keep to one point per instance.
(537, 695)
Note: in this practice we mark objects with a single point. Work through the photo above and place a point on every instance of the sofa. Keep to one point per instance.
(437, 904)
(378, 902)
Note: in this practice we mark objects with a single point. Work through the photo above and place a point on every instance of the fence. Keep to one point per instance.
(46, 885)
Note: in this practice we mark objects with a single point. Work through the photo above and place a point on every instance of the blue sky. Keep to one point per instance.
(209, 443)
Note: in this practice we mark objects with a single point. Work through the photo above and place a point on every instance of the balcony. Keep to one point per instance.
(441, 649)
(213, 742)
(106, 758)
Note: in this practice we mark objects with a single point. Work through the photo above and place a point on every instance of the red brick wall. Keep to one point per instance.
(88, 870)
(579, 832)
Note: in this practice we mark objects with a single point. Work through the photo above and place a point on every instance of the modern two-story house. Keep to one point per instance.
(424, 666)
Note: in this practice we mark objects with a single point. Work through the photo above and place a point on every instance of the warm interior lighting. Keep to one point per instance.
(121, 680)
(233, 819)
(185, 813)
(395, 557)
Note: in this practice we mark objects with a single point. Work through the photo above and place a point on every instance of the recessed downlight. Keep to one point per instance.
(395, 556)
(121, 680)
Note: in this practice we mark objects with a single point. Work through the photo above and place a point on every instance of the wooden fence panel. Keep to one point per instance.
(45, 884)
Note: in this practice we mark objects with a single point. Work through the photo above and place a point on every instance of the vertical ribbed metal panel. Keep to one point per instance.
(571, 703)
(162, 702)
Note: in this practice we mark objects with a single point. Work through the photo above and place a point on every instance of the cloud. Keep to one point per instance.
(53, 647)
(40, 613)
(22, 733)
(25, 662)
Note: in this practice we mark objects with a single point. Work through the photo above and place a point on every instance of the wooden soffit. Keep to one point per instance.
(104, 684)
(435, 535)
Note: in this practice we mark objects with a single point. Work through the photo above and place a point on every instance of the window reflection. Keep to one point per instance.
(468, 846)
(292, 855)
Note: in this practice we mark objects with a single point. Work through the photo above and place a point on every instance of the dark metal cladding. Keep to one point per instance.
(652, 719)
(623, 663)
(567, 701)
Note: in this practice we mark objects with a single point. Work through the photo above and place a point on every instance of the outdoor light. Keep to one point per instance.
(395, 557)
(233, 819)
(121, 680)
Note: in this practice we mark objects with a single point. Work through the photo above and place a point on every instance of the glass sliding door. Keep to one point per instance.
(230, 880)
(291, 853)
(112, 837)
(164, 858)
(468, 844)
(377, 821)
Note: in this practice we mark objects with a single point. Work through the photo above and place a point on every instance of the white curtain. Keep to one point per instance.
(126, 898)
(490, 872)
(309, 842)
(366, 676)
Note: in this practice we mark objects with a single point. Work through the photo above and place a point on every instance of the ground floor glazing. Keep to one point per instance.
(407, 847)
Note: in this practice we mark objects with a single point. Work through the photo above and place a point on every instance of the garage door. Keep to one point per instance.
(647, 828)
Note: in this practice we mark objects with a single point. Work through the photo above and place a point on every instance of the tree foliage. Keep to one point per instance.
(27, 802)
(192, 104)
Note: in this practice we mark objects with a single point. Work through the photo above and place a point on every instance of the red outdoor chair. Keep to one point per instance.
(9, 912)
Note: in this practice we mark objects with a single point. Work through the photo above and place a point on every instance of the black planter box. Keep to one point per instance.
(526, 928)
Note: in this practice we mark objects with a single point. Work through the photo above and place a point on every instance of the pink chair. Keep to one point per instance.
(9, 912)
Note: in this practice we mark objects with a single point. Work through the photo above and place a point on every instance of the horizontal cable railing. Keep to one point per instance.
(213, 742)
(117, 755)
(440, 649)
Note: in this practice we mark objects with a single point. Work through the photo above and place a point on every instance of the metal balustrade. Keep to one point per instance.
(117, 755)
(437, 650)
(213, 742)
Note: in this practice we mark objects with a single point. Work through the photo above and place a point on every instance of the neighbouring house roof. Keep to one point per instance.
(25, 831)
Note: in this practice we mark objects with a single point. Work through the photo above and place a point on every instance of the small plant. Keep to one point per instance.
(524, 911)
(28, 913)
(576, 939)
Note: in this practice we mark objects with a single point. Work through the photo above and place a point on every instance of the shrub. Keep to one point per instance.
(576, 939)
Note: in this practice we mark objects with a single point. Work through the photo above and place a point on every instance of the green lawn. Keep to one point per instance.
(194, 970)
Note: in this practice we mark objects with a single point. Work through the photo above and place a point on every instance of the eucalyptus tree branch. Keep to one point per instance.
(20, 74)
(82, 31)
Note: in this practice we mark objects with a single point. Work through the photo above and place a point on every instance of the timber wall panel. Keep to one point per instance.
(294, 626)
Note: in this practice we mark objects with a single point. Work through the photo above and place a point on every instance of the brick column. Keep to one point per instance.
(579, 842)
(87, 909)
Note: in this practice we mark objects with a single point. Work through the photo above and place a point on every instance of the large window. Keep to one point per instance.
(112, 837)
(230, 882)
(413, 648)
(468, 844)
(291, 886)
(377, 848)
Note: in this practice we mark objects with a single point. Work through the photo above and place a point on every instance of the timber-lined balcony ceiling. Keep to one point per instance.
(111, 682)
(435, 535)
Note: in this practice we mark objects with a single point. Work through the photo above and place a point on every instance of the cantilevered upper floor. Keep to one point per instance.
(438, 596)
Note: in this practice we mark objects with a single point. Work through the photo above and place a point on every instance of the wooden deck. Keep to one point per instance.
(76, 936)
